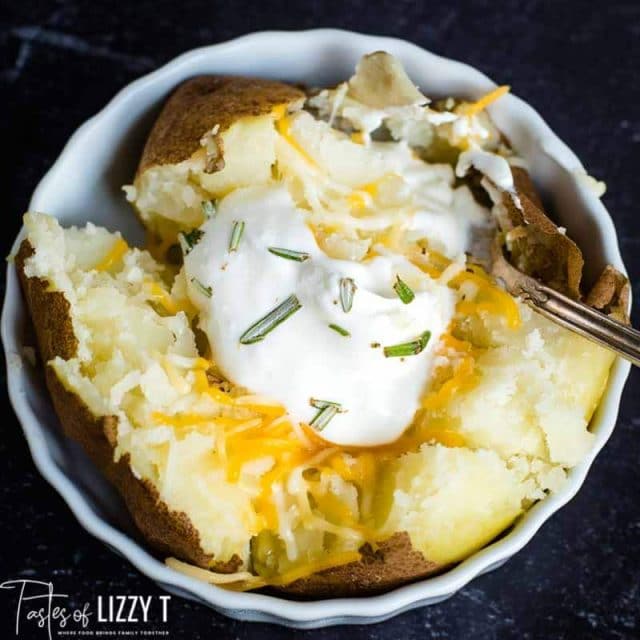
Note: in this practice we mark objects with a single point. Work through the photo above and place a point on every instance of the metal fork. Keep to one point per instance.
(573, 315)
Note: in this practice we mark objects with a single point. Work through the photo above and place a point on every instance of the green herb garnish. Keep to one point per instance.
(289, 254)
(321, 404)
(339, 329)
(404, 291)
(236, 235)
(408, 348)
(190, 239)
(208, 208)
(323, 417)
(268, 323)
(205, 291)
(347, 291)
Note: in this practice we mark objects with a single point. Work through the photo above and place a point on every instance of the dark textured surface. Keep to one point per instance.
(576, 62)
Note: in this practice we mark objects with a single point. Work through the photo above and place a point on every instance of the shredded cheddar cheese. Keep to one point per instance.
(472, 108)
(162, 297)
(114, 255)
(283, 126)
(462, 377)
(363, 195)
(177, 380)
(491, 298)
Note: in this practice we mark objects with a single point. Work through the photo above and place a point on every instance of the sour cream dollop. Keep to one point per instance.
(303, 357)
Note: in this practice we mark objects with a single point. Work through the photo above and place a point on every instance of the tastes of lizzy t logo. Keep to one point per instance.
(39, 606)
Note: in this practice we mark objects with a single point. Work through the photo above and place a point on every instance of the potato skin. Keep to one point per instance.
(171, 533)
(203, 102)
(550, 256)
(393, 563)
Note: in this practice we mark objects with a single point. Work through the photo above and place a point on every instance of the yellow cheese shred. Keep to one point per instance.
(463, 377)
(115, 254)
(334, 560)
(162, 297)
(472, 108)
(283, 126)
(178, 382)
(361, 197)
(261, 405)
(491, 298)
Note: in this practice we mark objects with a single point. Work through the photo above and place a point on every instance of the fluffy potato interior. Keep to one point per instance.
(131, 359)
(518, 421)
(452, 501)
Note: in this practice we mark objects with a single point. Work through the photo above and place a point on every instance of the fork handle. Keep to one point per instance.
(584, 320)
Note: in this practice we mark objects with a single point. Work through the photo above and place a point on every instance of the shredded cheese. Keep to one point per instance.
(115, 254)
(177, 380)
(283, 126)
(472, 108)
(162, 297)
(243, 580)
(491, 298)
(363, 195)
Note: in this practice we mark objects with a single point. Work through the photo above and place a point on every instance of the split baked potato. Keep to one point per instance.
(219, 479)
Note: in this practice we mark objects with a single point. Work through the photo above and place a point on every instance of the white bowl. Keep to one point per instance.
(84, 184)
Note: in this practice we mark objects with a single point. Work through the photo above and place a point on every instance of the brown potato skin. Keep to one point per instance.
(171, 533)
(203, 102)
(394, 562)
(553, 258)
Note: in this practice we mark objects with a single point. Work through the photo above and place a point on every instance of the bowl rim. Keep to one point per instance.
(270, 608)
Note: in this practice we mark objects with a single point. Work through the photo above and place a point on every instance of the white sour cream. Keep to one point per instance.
(303, 357)
(495, 167)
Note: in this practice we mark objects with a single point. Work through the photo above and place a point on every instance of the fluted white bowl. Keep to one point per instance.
(84, 184)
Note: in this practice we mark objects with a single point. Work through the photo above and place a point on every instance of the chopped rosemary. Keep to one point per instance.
(205, 291)
(190, 239)
(404, 291)
(236, 234)
(339, 329)
(268, 323)
(321, 404)
(323, 417)
(408, 348)
(347, 291)
(208, 208)
(289, 254)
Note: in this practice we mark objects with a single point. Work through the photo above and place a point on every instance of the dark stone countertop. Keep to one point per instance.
(576, 62)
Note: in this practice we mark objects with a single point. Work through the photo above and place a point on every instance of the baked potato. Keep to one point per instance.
(220, 478)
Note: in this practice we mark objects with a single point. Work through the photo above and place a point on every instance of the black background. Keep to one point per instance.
(576, 62)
